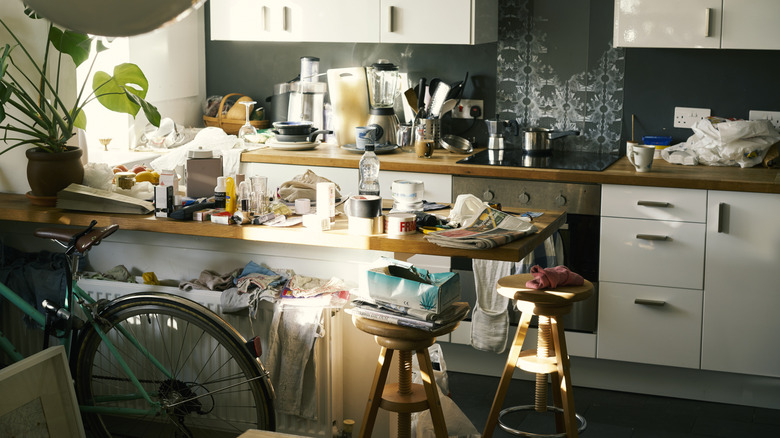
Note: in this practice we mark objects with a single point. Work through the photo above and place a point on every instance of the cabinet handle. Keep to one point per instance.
(285, 14)
(723, 209)
(652, 237)
(653, 204)
(707, 21)
(390, 14)
(647, 302)
(264, 18)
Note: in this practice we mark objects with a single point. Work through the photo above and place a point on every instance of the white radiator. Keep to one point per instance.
(325, 350)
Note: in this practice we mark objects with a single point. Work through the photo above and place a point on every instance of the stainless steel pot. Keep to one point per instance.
(540, 140)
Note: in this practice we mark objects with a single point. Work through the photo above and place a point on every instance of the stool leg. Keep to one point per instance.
(432, 393)
(506, 377)
(563, 386)
(404, 387)
(375, 396)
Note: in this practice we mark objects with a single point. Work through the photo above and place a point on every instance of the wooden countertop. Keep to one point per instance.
(622, 172)
(18, 208)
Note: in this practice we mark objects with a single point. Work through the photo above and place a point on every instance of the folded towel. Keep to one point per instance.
(550, 278)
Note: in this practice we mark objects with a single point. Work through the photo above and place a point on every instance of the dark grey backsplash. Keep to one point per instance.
(553, 66)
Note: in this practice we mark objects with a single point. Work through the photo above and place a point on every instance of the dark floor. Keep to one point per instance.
(611, 414)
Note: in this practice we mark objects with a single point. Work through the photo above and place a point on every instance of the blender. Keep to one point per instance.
(384, 85)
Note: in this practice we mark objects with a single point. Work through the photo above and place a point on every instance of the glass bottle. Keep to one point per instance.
(369, 172)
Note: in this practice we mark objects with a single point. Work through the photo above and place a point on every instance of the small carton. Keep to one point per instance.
(434, 293)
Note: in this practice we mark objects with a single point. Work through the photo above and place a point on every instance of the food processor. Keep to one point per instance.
(384, 85)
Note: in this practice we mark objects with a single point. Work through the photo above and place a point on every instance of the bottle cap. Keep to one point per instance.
(370, 147)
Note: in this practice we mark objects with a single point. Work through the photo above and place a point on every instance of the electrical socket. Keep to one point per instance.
(687, 117)
(772, 116)
(463, 109)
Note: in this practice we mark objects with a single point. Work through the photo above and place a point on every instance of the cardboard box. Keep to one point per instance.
(435, 297)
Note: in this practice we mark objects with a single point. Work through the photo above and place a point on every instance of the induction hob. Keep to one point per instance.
(558, 159)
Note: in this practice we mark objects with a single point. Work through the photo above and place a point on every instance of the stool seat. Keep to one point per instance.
(514, 288)
(403, 397)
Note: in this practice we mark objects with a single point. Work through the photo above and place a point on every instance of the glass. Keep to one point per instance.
(404, 137)
(247, 129)
(259, 201)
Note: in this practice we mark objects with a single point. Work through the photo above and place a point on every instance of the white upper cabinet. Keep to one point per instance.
(713, 24)
(751, 24)
(439, 21)
(668, 23)
(302, 20)
(356, 21)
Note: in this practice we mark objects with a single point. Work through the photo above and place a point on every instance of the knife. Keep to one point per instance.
(421, 100)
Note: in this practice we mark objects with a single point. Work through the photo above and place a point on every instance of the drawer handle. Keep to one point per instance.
(647, 302)
(653, 204)
(707, 12)
(652, 237)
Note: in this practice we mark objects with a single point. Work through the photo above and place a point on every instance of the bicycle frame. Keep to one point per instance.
(84, 300)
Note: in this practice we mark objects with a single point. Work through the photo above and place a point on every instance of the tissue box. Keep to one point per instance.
(435, 297)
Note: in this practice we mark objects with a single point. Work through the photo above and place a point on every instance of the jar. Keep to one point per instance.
(125, 180)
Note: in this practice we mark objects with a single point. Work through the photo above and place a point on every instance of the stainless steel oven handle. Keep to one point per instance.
(652, 237)
(653, 204)
(646, 302)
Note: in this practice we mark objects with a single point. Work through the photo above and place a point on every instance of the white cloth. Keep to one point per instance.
(290, 360)
(490, 317)
(208, 139)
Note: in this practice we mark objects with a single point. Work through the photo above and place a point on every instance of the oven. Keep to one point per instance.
(579, 235)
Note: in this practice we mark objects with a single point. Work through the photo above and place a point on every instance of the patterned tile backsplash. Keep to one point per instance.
(537, 84)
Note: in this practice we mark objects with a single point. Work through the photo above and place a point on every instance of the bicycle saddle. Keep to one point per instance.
(84, 242)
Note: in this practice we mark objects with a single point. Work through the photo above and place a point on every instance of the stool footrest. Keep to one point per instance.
(394, 401)
(582, 426)
(529, 362)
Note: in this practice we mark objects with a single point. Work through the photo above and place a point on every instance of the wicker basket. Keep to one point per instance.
(231, 126)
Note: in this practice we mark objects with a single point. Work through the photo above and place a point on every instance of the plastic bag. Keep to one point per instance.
(303, 186)
(722, 142)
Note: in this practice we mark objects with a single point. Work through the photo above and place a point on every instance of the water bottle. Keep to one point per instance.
(369, 172)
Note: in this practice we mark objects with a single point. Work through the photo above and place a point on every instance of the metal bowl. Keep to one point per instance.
(458, 145)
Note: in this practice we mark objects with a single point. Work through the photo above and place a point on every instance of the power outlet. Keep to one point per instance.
(687, 117)
(463, 109)
(772, 116)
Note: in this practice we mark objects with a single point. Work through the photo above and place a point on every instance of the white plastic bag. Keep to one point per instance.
(721, 142)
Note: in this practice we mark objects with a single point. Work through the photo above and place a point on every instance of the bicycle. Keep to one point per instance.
(137, 361)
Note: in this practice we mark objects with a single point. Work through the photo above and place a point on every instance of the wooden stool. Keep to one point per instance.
(403, 397)
(549, 358)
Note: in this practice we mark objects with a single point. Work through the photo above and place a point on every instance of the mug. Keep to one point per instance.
(424, 148)
(630, 146)
(363, 206)
(642, 157)
(407, 191)
(367, 135)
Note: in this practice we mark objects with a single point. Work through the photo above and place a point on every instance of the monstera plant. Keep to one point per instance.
(33, 114)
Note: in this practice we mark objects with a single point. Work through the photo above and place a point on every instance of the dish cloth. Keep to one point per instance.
(490, 317)
(550, 278)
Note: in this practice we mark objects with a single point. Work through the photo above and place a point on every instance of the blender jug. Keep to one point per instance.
(384, 85)
(307, 103)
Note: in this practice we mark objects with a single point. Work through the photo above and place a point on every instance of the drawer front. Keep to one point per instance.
(646, 324)
(658, 203)
(659, 253)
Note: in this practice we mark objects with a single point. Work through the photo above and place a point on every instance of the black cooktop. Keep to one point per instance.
(569, 160)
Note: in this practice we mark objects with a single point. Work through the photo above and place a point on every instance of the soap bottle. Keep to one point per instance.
(369, 172)
(220, 193)
(230, 195)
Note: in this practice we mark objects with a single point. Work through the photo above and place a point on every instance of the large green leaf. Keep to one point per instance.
(76, 45)
(4, 59)
(113, 91)
(150, 111)
(80, 120)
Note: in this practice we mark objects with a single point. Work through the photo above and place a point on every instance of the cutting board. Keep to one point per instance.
(349, 101)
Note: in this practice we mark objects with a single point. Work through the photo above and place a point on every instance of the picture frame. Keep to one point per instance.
(38, 397)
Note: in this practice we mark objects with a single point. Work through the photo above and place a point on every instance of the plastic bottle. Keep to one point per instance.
(369, 172)
(230, 195)
(220, 193)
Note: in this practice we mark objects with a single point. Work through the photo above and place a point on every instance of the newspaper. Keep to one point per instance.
(490, 229)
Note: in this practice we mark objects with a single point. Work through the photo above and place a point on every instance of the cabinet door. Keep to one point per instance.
(299, 20)
(751, 24)
(668, 23)
(647, 324)
(429, 22)
(741, 286)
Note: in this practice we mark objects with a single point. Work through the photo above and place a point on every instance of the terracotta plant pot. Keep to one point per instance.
(48, 173)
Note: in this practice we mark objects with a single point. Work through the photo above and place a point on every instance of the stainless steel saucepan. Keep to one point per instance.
(540, 140)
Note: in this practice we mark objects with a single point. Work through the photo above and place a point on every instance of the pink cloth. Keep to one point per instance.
(550, 278)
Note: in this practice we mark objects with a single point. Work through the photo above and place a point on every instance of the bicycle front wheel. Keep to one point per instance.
(200, 377)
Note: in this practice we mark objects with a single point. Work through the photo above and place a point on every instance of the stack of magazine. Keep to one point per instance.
(407, 317)
(491, 228)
